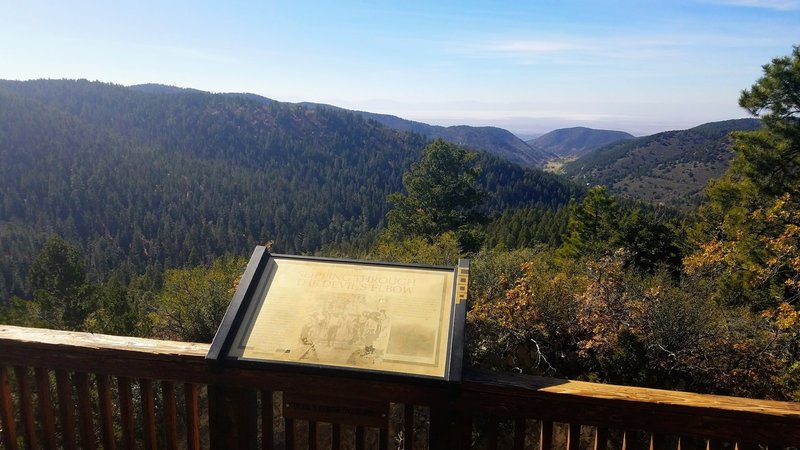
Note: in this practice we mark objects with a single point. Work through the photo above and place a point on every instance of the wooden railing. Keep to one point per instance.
(78, 390)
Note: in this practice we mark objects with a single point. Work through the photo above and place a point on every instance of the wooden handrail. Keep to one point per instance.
(502, 395)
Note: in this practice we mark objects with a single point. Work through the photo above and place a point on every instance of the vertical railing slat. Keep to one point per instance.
(85, 416)
(192, 396)
(267, 421)
(26, 408)
(519, 433)
(408, 426)
(127, 413)
(491, 433)
(7, 419)
(658, 441)
(630, 440)
(573, 436)
(288, 428)
(336, 436)
(245, 418)
(746, 446)
(546, 435)
(233, 417)
(383, 439)
(360, 438)
(106, 412)
(170, 414)
(600, 438)
(66, 409)
(148, 414)
(313, 434)
(46, 409)
(691, 443)
(466, 431)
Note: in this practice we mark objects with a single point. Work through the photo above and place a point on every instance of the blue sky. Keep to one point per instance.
(528, 66)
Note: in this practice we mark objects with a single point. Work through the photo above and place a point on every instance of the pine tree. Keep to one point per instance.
(748, 234)
(60, 288)
(442, 195)
(593, 228)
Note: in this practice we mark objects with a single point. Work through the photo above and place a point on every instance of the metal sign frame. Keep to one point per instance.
(246, 315)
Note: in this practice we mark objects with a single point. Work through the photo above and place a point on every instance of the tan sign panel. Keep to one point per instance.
(349, 314)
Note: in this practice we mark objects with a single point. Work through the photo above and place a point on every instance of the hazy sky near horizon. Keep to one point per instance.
(529, 66)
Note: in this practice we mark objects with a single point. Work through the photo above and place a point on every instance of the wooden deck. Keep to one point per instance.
(79, 390)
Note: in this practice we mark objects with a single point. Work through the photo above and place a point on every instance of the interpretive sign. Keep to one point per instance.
(318, 313)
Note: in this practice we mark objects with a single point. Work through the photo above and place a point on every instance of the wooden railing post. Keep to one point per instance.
(233, 414)
(408, 426)
(66, 409)
(573, 436)
(448, 430)
(519, 433)
(46, 408)
(148, 414)
(106, 411)
(192, 396)
(170, 414)
(85, 413)
(545, 435)
(26, 408)
(126, 413)
(7, 419)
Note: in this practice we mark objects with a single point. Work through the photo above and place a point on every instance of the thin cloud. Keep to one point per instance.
(526, 51)
(590, 50)
(189, 53)
(778, 5)
(528, 47)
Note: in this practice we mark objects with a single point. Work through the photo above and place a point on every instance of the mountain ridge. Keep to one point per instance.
(148, 181)
(671, 167)
(495, 140)
(577, 141)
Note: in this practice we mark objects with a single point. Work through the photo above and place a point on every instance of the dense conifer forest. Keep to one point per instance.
(143, 181)
(132, 211)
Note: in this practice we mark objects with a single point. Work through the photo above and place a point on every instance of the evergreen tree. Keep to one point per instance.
(193, 301)
(60, 288)
(442, 195)
(593, 228)
(598, 226)
(748, 234)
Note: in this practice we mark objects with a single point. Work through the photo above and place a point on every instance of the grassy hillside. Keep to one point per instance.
(666, 168)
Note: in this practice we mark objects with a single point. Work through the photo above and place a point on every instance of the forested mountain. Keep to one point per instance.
(577, 141)
(492, 140)
(155, 88)
(670, 167)
(497, 141)
(123, 201)
(144, 179)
